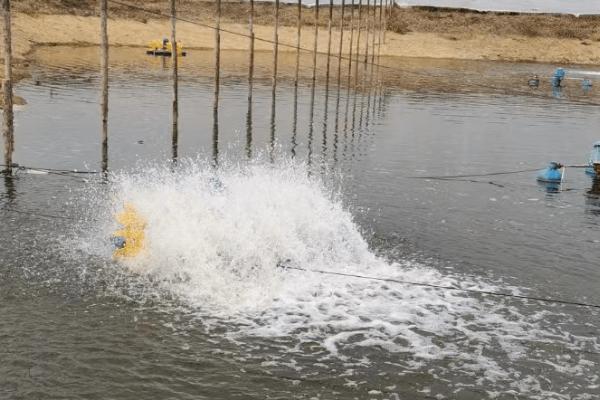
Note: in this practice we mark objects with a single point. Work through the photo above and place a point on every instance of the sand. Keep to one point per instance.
(30, 31)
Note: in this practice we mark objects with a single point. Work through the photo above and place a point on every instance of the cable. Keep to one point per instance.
(483, 292)
(62, 171)
(474, 175)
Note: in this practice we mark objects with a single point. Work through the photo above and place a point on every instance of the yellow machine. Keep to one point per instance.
(129, 240)
(164, 48)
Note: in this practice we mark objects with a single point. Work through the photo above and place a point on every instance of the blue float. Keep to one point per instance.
(593, 168)
(551, 173)
(558, 77)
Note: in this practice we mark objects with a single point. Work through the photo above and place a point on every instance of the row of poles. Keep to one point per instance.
(377, 14)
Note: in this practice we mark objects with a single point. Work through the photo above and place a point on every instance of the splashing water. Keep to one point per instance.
(215, 239)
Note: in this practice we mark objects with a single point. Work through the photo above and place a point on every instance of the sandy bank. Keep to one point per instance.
(30, 31)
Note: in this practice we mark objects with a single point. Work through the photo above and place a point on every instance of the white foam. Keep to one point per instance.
(215, 239)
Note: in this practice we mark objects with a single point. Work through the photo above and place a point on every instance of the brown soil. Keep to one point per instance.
(413, 32)
(403, 20)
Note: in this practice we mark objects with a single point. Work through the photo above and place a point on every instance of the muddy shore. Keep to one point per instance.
(412, 32)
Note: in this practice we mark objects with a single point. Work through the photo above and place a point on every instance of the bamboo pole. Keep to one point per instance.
(104, 83)
(8, 126)
(351, 43)
(217, 49)
(358, 43)
(250, 80)
(379, 42)
(368, 23)
(217, 81)
(299, 31)
(175, 57)
(275, 42)
(374, 34)
(274, 78)
(329, 40)
(339, 72)
(385, 20)
(349, 68)
(295, 117)
(316, 42)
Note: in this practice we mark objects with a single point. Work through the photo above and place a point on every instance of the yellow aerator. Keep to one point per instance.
(129, 240)
(164, 48)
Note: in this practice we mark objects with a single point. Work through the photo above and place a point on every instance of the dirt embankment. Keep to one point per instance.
(412, 32)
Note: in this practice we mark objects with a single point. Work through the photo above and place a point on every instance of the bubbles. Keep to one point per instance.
(216, 239)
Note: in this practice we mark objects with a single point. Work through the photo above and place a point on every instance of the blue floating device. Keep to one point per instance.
(551, 173)
(593, 168)
(558, 77)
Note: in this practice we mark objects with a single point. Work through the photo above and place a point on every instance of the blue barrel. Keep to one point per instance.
(551, 173)
(558, 77)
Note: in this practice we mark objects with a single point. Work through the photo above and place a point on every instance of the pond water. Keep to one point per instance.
(337, 180)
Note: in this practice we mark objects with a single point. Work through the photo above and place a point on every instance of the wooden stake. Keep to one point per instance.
(8, 128)
(275, 43)
(358, 43)
(339, 73)
(351, 43)
(104, 83)
(175, 57)
(316, 43)
(329, 40)
(385, 20)
(217, 49)
(367, 35)
(299, 31)
(250, 81)
(274, 82)
(217, 81)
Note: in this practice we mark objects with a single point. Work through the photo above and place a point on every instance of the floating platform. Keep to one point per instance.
(164, 53)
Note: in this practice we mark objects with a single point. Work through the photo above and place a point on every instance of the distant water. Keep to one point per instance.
(551, 6)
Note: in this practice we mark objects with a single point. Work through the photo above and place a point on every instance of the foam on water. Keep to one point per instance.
(215, 239)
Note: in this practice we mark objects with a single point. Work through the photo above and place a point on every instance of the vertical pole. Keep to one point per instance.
(349, 68)
(250, 80)
(295, 118)
(316, 43)
(358, 43)
(329, 40)
(104, 83)
(351, 43)
(274, 78)
(379, 42)
(299, 31)
(374, 33)
(8, 128)
(368, 26)
(384, 10)
(217, 81)
(275, 42)
(339, 73)
(175, 57)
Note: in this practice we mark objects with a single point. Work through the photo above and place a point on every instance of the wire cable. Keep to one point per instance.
(442, 287)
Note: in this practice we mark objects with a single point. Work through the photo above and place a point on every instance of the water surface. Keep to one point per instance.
(346, 187)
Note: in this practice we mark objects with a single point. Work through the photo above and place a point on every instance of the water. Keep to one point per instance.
(207, 313)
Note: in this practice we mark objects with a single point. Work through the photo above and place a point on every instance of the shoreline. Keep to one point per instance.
(414, 32)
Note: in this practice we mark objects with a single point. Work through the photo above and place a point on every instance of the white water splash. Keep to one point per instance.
(215, 239)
